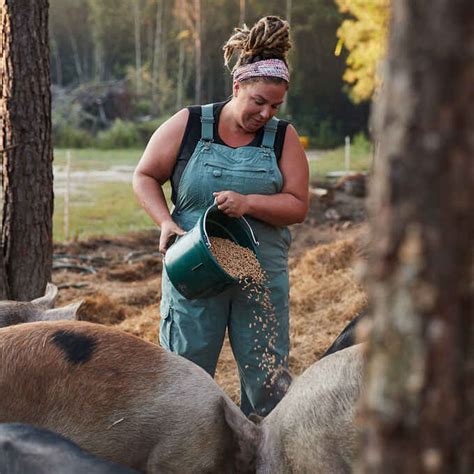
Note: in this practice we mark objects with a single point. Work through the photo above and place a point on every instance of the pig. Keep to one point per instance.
(313, 429)
(122, 399)
(347, 337)
(40, 309)
(26, 449)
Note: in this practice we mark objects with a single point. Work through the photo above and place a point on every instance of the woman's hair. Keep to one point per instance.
(269, 38)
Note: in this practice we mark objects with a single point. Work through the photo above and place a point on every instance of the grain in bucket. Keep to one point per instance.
(193, 268)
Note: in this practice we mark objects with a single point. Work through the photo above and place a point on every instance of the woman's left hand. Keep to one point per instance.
(231, 203)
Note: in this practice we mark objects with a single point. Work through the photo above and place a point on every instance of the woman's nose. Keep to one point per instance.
(266, 113)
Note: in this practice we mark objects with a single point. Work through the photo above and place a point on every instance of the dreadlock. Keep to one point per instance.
(269, 38)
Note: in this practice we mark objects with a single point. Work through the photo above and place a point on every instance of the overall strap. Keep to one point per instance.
(268, 140)
(207, 122)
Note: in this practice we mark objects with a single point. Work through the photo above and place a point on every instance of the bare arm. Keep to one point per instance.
(155, 168)
(284, 208)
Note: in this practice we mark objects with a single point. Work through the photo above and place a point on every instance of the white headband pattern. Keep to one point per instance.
(264, 68)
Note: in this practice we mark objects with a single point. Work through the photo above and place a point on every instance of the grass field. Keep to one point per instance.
(95, 159)
(101, 200)
(333, 160)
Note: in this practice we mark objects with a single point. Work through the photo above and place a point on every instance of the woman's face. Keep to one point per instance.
(256, 103)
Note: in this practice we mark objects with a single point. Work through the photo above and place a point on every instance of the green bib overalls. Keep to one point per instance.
(196, 329)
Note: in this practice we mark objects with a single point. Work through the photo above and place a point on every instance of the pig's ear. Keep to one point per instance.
(281, 381)
(68, 312)
(47, 301)
(246, 436)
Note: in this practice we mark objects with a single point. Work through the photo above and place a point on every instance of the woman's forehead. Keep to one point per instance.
(267, 90)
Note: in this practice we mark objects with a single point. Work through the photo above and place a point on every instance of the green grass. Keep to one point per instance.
(98, 207)
(110, 208)
(333, 160)
(95, 159)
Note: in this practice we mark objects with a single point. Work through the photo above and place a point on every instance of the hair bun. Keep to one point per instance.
(269, 38)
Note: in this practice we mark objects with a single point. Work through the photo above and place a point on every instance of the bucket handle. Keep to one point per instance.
(206, 237)
(255, 241)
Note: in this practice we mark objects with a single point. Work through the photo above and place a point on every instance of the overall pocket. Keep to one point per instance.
(221, 170)
(166, 323)
(242, 179)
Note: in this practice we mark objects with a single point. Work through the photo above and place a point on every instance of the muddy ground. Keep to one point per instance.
(119, 280)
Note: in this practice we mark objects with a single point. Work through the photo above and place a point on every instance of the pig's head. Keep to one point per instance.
(39, 309)
(246, 437)
(223, 442)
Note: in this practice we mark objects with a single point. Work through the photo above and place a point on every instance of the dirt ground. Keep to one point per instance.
(119, 280)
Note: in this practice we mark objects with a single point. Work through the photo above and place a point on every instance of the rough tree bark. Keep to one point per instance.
(25, 138)
(418, 408)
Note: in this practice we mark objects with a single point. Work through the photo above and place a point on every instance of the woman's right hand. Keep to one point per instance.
(168, 230)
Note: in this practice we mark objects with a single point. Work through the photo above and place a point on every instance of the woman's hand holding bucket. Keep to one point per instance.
(168, 230)
(231, 203)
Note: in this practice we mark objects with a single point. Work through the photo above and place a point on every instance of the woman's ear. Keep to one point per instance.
(235, 88)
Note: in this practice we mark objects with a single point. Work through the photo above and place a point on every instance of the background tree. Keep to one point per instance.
(419, 403)
(25, 139)
(98, 43)
(365, 36)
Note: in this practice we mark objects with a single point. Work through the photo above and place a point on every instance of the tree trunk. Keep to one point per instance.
(180, 82)
(57, 60)
(418, 406)
(289, 6)
(25, 136)
(138, 49)
(242, 12)
(156, 55)
(75, 53)
(198, 51)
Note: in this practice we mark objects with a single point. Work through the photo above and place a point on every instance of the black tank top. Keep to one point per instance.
(192, 135)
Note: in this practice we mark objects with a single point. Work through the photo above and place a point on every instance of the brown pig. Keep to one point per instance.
(40, 309)
(122, 399)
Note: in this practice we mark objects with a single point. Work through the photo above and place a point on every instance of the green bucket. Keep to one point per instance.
(192, 268)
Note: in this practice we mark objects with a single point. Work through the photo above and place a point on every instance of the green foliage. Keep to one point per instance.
(72, 137)
(127, 134)
(146, 129)
(120, 135)
(67, 118)
(326, 135)
(361, 143)
(94, 41)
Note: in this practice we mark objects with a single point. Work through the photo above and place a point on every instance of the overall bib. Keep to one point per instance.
(196, 329)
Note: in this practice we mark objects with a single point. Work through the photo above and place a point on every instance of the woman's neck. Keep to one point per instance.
(230, 130)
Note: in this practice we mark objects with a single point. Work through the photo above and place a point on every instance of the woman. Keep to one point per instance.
(251, 164)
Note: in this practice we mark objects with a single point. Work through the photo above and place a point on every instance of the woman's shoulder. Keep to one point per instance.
(283, 124)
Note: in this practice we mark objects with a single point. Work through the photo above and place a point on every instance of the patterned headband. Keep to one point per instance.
(264, 68)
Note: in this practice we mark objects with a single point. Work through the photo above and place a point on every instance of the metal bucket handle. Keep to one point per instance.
(206, 237)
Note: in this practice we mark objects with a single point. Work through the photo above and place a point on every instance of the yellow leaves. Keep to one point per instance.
(184, 34)
(365, 36)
